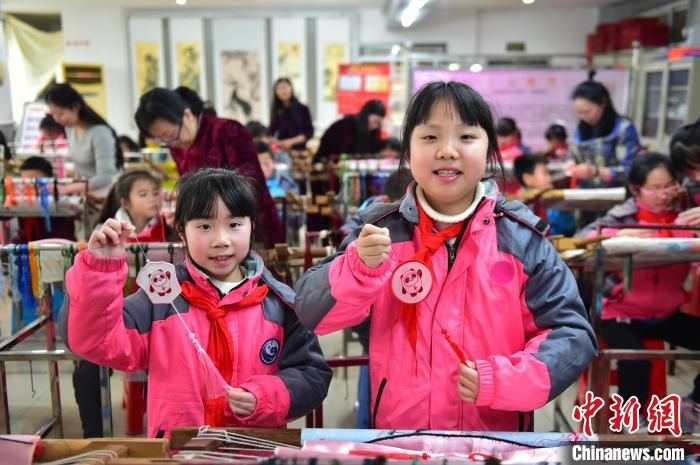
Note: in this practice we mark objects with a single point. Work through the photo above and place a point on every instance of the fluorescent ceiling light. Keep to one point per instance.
(475, 68)
(528, 2)
(411, 12)
(180, 2)
(395, 49)
(453, 66)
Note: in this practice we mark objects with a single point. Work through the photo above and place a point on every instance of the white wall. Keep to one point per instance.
(553, 32)
(98, 36)
(457, 31)
(550, 31)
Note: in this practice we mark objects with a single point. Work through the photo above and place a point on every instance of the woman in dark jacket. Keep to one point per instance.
(205, 141)
(290, 120)
(354, 134)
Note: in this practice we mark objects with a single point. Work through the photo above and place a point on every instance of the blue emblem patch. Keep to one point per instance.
(269, 351)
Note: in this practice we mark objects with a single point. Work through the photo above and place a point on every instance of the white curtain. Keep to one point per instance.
(33, 57)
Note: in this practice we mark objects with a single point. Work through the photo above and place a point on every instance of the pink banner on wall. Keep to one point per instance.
(534, 98)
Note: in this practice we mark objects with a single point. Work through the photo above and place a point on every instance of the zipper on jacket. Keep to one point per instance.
(452, 249)
(376, 402)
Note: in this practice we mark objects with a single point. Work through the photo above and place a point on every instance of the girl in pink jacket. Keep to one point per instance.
(474, 319)
(651, 307)
(240, 314)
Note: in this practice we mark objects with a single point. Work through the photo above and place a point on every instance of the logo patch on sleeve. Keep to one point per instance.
(270, 351)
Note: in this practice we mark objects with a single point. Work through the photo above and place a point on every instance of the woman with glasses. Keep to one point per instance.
(605, 143)
(92, 142)
(205, 141)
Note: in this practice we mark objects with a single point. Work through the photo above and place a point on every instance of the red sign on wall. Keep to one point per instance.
(359, 83)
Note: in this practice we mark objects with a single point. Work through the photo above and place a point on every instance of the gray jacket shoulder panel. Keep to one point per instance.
(522, 214)
(552, 296)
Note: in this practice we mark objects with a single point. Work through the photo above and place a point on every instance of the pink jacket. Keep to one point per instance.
(505, 297)
(655, 292)
(275, 357)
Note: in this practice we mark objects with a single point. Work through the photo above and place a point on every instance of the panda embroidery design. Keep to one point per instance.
(411, 282)
(159, 281)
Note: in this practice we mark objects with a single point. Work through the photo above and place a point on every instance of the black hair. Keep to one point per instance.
(159, 103)
(279, 109)
(256, 129)
(391, 143)
(595, 92)
(192, 99)
(199, 192)
(38, 164)
(49, 124)
(470, 105)
(526, 164)
(642, 165)
(397, 183)
(685, 148)
(556, 131)
(121, 189)
(368, 140)
(506, 126)
(129, 142)
(262, 147)
(5, 148)
(208, 108)
(65, 96)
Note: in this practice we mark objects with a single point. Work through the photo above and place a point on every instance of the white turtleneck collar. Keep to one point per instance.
(448, 220)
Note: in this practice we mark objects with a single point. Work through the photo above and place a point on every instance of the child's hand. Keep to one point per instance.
(110, 240)
(690, 217)
(373, 245)
(644, 233)
(468, 382)
(242, 402)
(581, 171)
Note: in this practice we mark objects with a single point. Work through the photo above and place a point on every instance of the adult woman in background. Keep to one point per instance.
(205, 141)
(92, 142)
(354, 134)
(605, 143)
(290, 120)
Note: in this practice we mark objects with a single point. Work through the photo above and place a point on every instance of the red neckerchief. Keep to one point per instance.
(430, 242)
(220, 346)
(651, 217)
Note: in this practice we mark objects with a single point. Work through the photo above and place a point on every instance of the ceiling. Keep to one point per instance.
(453, 5)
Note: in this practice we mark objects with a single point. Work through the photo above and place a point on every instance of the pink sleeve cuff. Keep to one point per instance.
(487, 388)
(360, 270)
(272, 401)
(106, 265)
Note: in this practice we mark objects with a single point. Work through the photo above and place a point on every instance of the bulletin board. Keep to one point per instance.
(534, 98)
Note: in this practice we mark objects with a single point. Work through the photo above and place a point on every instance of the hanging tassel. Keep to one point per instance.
(44, 202)
(13, 269)
(10, 195)
(29, 192)
(35, 269)
(25, 286)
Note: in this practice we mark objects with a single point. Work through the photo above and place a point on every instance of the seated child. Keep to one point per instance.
(391, 149)
(136, 199)
(53, 136)
(532, 173)
(34, 229)
(557, 147)
(278, 181)
(509, 139)
(230, 301)
(650, 309)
